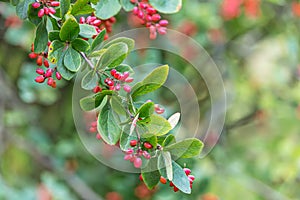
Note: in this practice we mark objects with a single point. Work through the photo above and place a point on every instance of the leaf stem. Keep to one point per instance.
(87, 60)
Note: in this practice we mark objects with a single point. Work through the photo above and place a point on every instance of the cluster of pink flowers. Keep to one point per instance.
(99, 24)
(149, 16)
(46, 7)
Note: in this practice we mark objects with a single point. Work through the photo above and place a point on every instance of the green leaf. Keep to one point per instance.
(170, 139)
(180, 179)
(114, 55)
(22, 8)
(108, 126)
(41, 37)
(70, 29)
(107, 8)
(126, 137)
(97, 53)
(150, 174)
(124, 68)
(64, 7)
(90, 80)
(165, 165)
(174, 119)
(152, 82)
(55, 51)
(94, 102)
(117, 106)
(87, 31)
(127, 5)
(81, 7)
(98, 40)
(146, 110)
(166, 6)
(65, 73)
(187, 148)
(14, 2)
(129, 42)
(80, 45)
(53, 35)
(158, 126)
(32, 14)
(72, 60)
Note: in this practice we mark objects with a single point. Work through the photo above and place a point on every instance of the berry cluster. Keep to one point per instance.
(190, 177)
(149, 16)
(46, 7)
(231, 9)
(99, 24)
(41, 59)
(134, 155)
(115, 81)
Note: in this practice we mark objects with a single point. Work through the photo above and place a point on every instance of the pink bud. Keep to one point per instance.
(140, 14)
(94, 124)
(152, 29)
(191, 177)
(36, 5)
(50, 81)
(126, 75)
(58, 75)
(113, 72)
(41, 13)
(187, 171)
(160, 111)
(40, 79)
(137, 162)
(40, 71)
(143, 5)
(127, 88)
(128, 157)
(148, 18)
(146, 155)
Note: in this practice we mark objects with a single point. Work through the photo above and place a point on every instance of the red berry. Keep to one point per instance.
(175, 189)
(163, 22)
(41, 13)
(133, 143)
(143, 5)
(156, 17)
(191, 177)
(113, 72)
(52, 11)
(125, 75)
(135, 10)
(112, 20)
(146, 155)
(36, 5)
(46, 10)
(118, 87)
(187, 171)
(46, 63)
(55, 3)
(50, 81)
(58, 75)
(97, 89)
(94, 124)
(129, 151)
(93, 129)
(32, 55)
(39, 60)
(140, 14)
(128, 80)
(48, 73)
(141, 177)
(148, 18)
(97, 22)
(171, 184)
(81, 20)
(147, 145)
(128, 157)
(132, 1)
(137, 162)
(151, 11)
(98, 136)
(127, 88)
(40, 79)
(40, 71)
(163, 180)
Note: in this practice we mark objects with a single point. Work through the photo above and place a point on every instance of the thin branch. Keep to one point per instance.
(87, 60)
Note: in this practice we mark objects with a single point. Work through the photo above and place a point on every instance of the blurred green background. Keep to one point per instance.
(256, 47)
